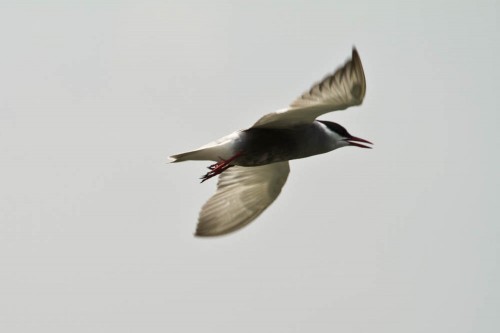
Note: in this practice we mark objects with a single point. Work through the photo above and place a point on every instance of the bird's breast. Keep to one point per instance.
(260, 146)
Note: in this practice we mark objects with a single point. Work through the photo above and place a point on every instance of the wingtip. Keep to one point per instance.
(210, 231)
(204, 234)
(358, 67)
(355, 54)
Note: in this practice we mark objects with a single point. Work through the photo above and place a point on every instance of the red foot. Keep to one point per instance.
(219, 167)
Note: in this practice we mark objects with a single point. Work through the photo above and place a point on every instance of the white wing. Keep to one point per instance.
(243, 193)
(338, 91)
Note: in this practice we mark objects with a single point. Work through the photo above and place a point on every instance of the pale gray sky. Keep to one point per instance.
(96, 229)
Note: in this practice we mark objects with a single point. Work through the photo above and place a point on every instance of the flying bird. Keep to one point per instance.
(253, 163)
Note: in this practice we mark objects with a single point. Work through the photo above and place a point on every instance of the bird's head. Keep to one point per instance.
(342, 137)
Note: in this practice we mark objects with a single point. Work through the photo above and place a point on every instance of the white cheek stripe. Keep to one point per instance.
(336, 140)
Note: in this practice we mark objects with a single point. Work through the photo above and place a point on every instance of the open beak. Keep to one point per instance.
(354, 141)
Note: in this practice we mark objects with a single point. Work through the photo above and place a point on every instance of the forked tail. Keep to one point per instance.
(179, 157)
(202, 154)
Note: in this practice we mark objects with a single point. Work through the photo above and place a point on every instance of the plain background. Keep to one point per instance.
(96, 229)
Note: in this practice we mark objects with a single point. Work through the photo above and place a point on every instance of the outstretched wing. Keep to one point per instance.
(344, 88)
(243, 193)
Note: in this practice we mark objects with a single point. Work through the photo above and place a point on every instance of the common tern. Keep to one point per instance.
(253, 163)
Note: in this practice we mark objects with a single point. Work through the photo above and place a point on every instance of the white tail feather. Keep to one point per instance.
(195, 155)
(214, 151)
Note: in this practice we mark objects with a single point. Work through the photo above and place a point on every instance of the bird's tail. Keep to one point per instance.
(212, 151)
(195, 155)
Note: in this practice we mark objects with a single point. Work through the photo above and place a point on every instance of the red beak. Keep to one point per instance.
(353, 141)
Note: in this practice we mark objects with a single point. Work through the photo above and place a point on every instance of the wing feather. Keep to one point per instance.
(344, 88)
(243, 193)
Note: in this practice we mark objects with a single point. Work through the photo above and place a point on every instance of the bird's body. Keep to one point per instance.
(253, 163)
(269, 145)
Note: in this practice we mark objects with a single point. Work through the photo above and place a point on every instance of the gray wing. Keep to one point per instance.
(344, 88)
(243, 193)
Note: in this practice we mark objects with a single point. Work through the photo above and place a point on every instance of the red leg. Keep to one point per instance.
(219, 167)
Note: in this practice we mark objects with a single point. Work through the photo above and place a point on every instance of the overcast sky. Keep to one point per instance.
(96, 229)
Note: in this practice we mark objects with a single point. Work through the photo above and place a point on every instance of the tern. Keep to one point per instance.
(253, 163)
